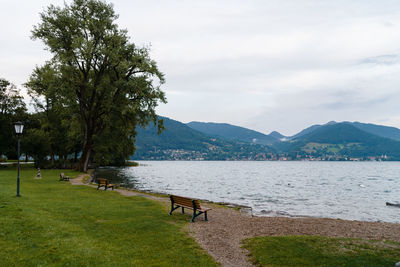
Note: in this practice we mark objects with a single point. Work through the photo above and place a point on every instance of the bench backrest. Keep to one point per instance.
(184, 201)
(102, 181)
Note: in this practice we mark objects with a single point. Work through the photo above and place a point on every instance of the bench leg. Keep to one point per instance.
(183, 210)
(98, 187)
(173, 208)
(194, 215)
(198, 214)
(105, 188)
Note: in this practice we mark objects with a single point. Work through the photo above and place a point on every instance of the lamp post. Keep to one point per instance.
(19, 127)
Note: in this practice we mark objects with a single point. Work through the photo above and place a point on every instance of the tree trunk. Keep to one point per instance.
(84, 160)
(86, 149)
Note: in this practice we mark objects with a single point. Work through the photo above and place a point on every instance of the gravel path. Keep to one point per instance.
(222, 234)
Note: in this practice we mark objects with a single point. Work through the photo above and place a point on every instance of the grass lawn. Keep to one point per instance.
(57, 224)
(321, 251)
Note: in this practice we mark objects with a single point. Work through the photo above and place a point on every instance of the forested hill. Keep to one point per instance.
(180, 142)
(232, 132)
(342, 140)
(379, 130)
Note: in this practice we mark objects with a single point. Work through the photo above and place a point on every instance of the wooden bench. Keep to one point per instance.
(101, 182)
(63, 177)
(184, 202)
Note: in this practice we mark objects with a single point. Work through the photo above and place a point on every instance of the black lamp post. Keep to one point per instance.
(19, 127)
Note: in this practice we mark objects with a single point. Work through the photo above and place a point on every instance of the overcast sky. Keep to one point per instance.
(264, 65)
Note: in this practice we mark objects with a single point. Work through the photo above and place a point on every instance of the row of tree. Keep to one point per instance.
(93, 93)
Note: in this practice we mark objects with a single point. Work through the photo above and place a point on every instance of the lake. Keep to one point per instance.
(346, 190)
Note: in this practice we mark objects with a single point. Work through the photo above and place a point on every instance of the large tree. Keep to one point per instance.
(104, 81)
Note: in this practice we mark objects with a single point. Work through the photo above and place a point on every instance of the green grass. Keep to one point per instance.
(57, 224)
(131, 163)
(321, 251)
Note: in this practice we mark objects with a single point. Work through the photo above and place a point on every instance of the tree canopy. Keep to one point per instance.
(12, 109)
(97, 81)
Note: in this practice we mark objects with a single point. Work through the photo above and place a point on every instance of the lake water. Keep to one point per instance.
(346, 190)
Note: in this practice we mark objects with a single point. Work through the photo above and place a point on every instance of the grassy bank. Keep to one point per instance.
(321, 251)
(57, 224)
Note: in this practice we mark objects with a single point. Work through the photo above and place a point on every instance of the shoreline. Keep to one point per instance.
(336, 190)
(222, 235)
(248, 210)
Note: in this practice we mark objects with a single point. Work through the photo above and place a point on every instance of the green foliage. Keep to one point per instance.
(321, 251)
(54, 121)
(10, 100)
(57, 224)
(36, 144)
(102, 81)
(12, 109)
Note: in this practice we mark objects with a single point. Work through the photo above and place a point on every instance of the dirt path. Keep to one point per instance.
(223, 233)
(125, 192)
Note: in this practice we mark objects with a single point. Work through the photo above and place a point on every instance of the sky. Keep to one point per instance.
(264, 65)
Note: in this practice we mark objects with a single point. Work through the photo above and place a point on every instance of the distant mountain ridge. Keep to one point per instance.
(338, 133)
(180, 142)
(344, 139)
(277, 135)
(309, 130)
(232, 132)
(222, 141)
(379, 130)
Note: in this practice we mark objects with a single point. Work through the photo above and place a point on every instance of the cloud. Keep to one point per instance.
(266, 65)
(382, 60)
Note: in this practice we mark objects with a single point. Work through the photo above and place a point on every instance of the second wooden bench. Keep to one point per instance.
(101, 182)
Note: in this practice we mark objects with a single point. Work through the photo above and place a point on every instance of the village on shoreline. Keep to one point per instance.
(182, 154)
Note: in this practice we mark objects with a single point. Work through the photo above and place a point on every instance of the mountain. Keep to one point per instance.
(310, 129)
(339, 133)
(232, 132)
(180, 142)
(305, 131)
(343, 139)
(277, 135)
(176, 135)
(380, 130)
